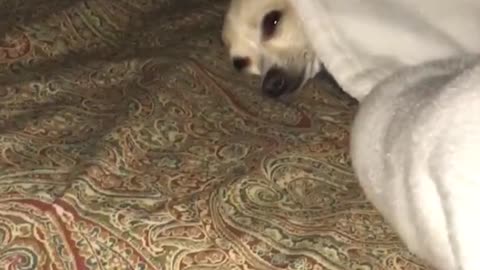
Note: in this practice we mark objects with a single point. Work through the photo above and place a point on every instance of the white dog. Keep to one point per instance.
(416, 139)
(266, 38)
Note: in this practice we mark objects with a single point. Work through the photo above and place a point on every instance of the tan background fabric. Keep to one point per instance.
(128, 142)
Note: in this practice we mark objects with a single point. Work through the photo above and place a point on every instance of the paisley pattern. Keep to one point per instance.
(127, 142)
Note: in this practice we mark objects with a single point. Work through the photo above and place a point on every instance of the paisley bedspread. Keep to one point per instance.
(127, 142)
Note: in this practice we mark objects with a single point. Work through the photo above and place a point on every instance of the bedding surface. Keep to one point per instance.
(128, 142)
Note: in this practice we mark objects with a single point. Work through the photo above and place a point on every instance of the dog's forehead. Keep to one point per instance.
(243, 18)
(252, 11)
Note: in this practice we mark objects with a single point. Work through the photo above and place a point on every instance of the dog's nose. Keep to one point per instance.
(275, 83)
(240, 63)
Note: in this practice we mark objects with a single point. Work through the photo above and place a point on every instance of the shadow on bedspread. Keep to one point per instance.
(127, 142)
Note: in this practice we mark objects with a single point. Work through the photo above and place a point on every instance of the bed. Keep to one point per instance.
(128, 142)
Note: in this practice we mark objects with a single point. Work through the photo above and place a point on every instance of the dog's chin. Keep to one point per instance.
(309, 72)
(296, 82)
(280, 81)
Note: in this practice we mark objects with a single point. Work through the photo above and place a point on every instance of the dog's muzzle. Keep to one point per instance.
(278, 82)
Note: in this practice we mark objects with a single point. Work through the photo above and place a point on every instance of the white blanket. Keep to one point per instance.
(416, 139)
(361, 42)
(415, 148)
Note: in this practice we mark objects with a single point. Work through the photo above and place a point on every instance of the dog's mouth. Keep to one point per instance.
(278, 82)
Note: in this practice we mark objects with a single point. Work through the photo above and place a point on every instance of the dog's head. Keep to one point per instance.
(266, 38)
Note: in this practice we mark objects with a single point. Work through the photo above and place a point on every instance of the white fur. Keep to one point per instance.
(289, 47)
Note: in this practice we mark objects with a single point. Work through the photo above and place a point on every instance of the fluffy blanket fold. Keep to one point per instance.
(363, 42)
(415, 145)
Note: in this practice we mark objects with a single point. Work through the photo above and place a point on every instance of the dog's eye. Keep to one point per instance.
(270, 22)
